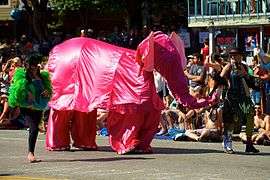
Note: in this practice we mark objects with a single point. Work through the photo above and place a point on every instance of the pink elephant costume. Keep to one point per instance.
(87, 74)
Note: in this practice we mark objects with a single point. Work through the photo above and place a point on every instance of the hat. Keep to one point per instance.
(257, 106)
(236, 51)
(196, 88)
(190, 57)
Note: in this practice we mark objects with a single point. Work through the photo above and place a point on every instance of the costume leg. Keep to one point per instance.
(83, 130)
(148, 130)
(123, 131)
(57, 136)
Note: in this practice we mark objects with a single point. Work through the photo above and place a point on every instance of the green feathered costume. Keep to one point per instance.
(20, 88)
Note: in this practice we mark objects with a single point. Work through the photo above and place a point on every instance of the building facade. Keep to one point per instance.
(6, 22)
(230, 23)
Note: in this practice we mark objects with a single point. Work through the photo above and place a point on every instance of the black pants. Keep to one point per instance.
(34, 120)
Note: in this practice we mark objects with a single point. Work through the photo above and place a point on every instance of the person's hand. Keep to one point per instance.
(214, 98)
(186, 73)
(45, 93)
(30, 97)
(243, 71)
(102, 116)
(265, 76)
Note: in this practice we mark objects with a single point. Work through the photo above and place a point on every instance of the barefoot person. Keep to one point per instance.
(30, 90)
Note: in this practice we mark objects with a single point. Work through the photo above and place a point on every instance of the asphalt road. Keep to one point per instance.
(171, 160)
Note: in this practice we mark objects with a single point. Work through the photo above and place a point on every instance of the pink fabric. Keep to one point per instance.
(89, 74)
(168, 64)
(81, 126)
(133, 131)
(145, 53)
(57, 135)
(179, 44)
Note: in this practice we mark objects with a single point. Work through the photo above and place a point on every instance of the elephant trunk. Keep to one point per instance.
(168, 65)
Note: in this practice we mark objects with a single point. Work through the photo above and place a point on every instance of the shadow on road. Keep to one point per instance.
(250, 154)
(98, 159)
(166, 150)
(6, 174)
(160, 150)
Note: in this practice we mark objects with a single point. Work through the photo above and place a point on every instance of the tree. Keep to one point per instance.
(130, 7)
(85, 7)
(38, 10)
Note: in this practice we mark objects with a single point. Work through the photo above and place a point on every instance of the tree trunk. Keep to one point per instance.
(134, 13)
(40, 19)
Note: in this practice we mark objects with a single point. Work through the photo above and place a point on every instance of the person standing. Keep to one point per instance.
(238, 107)
(205, 50)
(30, 90)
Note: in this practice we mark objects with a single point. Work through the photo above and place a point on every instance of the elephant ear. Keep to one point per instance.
(179, 44)
(145, 53)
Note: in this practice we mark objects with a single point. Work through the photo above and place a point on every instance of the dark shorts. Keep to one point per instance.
(161, 94)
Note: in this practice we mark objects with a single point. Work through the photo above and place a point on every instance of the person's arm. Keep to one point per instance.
(214, 66)
(197, 78)
(7, 65)
(225, 70)
(5, 110)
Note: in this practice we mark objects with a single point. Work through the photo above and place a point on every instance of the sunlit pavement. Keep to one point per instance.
(171, 160)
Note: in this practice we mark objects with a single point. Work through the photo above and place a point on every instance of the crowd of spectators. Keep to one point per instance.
(206, 124)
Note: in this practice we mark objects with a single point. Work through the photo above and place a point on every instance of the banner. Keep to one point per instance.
(203, 36)
(185, 36)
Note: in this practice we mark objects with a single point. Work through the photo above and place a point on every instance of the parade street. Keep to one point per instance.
(171, 160)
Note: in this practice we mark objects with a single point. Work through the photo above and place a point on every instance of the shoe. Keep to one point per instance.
(251, 149)
(228, 150)
(179, 137)
(161, 132)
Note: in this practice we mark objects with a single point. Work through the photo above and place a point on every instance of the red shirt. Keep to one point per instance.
(205, 53)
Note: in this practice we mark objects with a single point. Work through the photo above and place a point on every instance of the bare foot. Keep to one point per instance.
(31, 158)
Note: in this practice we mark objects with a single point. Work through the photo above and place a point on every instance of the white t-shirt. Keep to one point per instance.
(160, 82)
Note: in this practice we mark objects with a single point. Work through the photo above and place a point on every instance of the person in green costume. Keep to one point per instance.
(30, 90)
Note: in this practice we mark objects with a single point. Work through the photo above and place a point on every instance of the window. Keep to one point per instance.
(4, 2)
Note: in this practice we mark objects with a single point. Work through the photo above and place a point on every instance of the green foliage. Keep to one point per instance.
(63, 6)
(247, 108)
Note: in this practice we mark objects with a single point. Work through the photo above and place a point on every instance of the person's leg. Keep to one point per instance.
(148, 131)
(264, 6)
(227, 137)
(188, 121)
(267, 123)
(5, 111)
(249, 128)
(192, 135)
(58, 130)
(170, 118)
(163, 124)
(205, 135)
(258, 139)
(34, 120)
(253, 6)
(83, 130)
(243, 137)
(124, 130)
